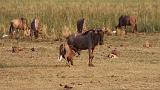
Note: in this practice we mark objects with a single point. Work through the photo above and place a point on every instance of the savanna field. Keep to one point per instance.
(137, 67)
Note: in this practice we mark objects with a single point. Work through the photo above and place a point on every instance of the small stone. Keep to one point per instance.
(67, 87)
(32, 49)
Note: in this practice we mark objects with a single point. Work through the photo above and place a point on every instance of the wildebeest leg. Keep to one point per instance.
(90, 57)
(11, 30)
(125, 30)
(67, 63)
(89, 63)
(125, 27)
(133, 28)
(31, 34)
(14, 32)
(70, 60)
(36, 34)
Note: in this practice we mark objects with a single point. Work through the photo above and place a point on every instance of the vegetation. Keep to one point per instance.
(57, 14)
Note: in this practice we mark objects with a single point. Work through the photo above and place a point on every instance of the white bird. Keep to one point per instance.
(114, 32)
(4, 35)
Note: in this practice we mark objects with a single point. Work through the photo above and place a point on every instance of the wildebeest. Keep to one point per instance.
(81, 25)
(125, 20)
(35, 27)
(18, 24)
(67, 53)
(87, 40)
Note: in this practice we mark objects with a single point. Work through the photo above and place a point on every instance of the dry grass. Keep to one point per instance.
(136, 68)
(120, 32)
(44, 32)
(59, 13)
(66, 32)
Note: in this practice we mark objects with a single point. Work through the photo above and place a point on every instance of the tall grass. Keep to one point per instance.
(59, 13)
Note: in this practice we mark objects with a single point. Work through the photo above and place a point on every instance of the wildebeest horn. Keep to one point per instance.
(60, 58)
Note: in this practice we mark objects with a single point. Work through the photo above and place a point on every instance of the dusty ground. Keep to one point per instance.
(136, 68)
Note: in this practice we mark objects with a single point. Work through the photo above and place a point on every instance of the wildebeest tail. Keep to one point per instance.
(62, 51)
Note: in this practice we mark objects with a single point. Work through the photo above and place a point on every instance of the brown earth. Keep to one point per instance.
(136, 68)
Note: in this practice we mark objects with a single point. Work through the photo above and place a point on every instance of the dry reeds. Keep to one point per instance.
(120, 32)
(57, 14)
(107, 31)
(44, 31)
(66, 32)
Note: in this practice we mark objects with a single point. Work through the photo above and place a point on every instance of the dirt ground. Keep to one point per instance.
(137, 67)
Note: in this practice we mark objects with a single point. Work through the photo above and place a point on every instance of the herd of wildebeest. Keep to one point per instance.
(75, 42)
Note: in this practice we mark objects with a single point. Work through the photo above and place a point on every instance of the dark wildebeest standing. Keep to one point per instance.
(35, 27)
(128, 21)
(80, 25)
(18, 24)
(87, 40)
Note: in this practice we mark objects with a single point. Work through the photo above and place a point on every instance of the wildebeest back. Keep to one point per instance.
(85, 40)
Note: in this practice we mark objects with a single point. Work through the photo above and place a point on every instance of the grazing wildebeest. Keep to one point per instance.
(18, 24)
(127, 21)
(67, 53)
(80, 25)
(87, 40)
(35, 27)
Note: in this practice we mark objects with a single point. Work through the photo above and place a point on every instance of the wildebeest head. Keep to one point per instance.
(80, 24)
(99, 36)
(66, 52)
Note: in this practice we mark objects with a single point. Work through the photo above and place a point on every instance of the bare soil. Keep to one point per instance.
(137, 67)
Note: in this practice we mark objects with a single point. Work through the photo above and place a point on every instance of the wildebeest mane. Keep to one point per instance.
(88, 31)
